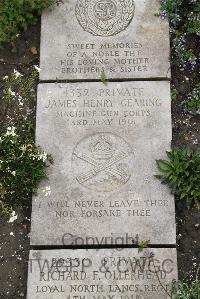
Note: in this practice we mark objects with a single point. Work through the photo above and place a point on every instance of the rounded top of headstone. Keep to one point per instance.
(104, 17)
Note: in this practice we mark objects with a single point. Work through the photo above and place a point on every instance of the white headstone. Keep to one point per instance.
(122, 39)
(104, 140)
(102, 274)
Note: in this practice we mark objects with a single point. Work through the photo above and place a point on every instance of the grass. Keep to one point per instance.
(192, 104)
(22, 164)
(17, 15)
(184, 19)
(183, 290)
(22, 167)
(182, 173)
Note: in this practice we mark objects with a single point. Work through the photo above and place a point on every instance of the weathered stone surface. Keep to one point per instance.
(102, 274)
(124, 39)
(104, 140)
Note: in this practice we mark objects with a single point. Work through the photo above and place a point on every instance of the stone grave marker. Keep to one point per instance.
(104, 140)
(123, 39)
(102, 274)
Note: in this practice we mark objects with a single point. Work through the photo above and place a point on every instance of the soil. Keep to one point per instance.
(186, 133)
(14, 238)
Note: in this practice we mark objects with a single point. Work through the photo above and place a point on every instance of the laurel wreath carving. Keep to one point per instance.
(81, 11)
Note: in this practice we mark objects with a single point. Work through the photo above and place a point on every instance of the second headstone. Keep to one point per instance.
(104, 141)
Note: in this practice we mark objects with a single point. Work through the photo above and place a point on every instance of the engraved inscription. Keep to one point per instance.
(105, 10)
(104, 17)
(113, 274)
(107, 161)
(123, 57)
